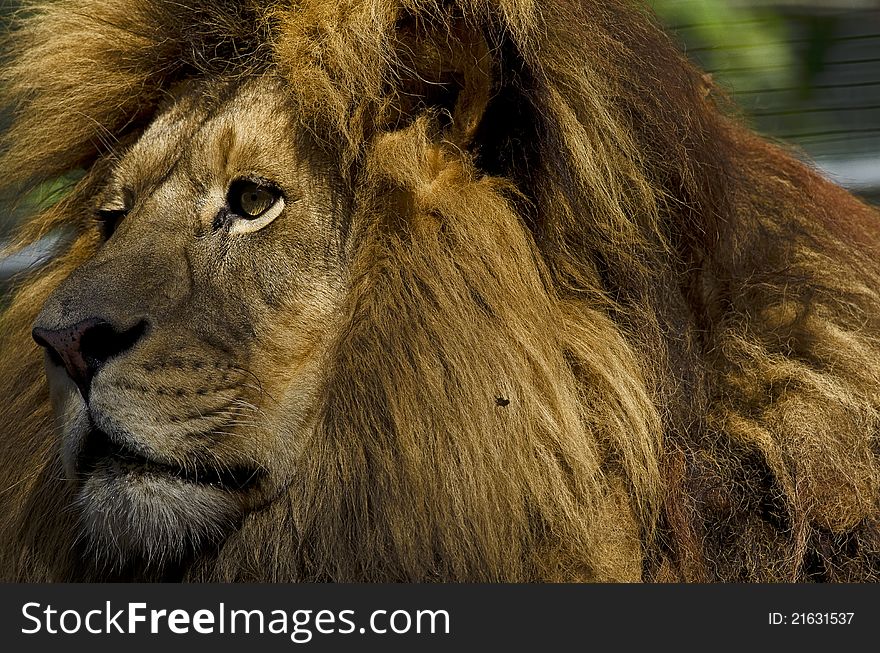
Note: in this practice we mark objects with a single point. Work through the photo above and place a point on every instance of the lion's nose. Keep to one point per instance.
(85, 347)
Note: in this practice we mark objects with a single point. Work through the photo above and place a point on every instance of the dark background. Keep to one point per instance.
(539, 617)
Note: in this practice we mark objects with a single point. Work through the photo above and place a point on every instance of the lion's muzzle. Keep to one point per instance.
(84, 348)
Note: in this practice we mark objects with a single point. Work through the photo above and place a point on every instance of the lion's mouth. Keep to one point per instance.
(101, 452)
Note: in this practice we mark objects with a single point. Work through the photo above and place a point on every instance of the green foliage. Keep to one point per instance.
(745, 46)
(40, 198)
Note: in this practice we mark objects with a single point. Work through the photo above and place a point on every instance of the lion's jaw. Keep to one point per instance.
(134, 502)
(177, 436)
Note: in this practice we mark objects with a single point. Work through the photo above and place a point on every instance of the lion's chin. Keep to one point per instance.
(151, 518)
(135, 510)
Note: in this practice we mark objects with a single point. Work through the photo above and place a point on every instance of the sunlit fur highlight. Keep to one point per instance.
(683, 318)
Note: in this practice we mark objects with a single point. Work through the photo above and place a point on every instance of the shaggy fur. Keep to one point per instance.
(594, 330)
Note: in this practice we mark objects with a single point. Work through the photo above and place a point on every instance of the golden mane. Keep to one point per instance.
(605, 334)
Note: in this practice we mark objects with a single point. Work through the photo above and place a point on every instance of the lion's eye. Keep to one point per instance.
(253, 200)
(255, 203)
(113, 211)
(108, 220)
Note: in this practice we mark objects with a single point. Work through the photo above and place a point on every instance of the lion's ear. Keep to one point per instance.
(446, 69)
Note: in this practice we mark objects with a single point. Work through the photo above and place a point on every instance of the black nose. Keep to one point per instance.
(85, 347)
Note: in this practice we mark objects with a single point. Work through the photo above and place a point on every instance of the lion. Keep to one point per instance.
(380, 290)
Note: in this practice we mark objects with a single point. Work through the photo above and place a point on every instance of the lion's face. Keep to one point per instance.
(185, 355)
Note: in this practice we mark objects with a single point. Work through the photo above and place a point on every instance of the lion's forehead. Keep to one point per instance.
(212, 129)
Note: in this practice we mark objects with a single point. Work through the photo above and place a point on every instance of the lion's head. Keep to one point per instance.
(185, 355)
(417, 291)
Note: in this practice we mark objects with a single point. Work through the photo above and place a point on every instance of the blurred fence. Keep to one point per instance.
(806, 72)
(803, 71)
